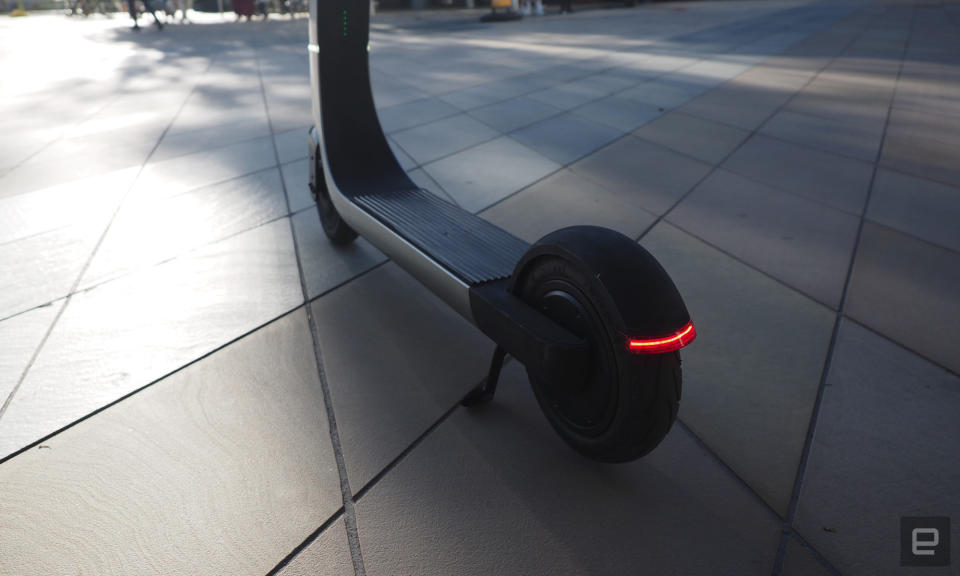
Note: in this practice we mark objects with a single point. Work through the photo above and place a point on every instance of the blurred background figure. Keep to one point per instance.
(148, 7)
(170, 8)
(243, 8)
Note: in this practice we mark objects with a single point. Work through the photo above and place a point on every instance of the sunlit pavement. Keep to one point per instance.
(176, 333)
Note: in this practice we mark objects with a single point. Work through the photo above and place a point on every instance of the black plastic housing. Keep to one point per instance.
(641, 290)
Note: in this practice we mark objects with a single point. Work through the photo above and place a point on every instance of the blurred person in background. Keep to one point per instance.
(148, 7)
(243, 8)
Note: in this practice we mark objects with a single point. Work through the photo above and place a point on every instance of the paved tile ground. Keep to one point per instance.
(192, 380)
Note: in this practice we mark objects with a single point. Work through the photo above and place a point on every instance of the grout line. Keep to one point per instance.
(746, 264)
(418, 166)
(306, 543)
(821, 388)
(900, 345)
(60, 137)
(137, 269)
(187, 364)
(282, 181)
(666, 110)
(419, 440)
(715, 167)
(718, 166)
(93, 253)
(349, 513)
(657, 75)
(157, 380)
(726, 467)
(817, 556)
(403, 453)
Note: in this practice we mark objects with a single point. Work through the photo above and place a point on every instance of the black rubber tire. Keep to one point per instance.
(336, 229)
(630, 400)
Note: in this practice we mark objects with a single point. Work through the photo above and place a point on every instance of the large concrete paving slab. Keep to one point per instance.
(751, 376)
(325, 265)
(328, 555)
(798, 560)
(657, 176)
(828, 178)
(922, 208)
(223, 468)
(444, 137)
(483, 175)
(884, 447)
(568, 199)
(122, 335)
(566, 138)
(396, 358)
(513, 114)
(804, 244)
(906, 289)
(704, 140)
(140, 233)
(20, 337)
(824, 134)
(508, 497)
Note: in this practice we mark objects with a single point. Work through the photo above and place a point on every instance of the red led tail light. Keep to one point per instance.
(674, 341)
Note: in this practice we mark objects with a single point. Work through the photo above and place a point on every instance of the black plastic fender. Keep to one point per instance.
(640, 290)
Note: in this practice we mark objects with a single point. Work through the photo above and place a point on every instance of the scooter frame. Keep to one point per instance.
(478, 269)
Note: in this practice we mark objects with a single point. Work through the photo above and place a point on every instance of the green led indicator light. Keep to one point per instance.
(344, 23)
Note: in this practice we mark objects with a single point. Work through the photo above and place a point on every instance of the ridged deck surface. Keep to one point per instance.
(467, 245)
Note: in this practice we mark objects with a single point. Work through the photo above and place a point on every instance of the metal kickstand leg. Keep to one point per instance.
(484, 392)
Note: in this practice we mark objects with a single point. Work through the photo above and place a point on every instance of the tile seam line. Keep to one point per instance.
(778, 557)
(93, 253)
(743, 262)
(773, 136)
(140, 269)
(346, 495)
(697, 59)
(310, 539)
(811, 147)
(380, 475)
(828, 362)
(727, 469)
(817, 556)
(718, 165)
(243, 140)
(35, 234)
(418, 166)
(139, 389)
(573, 110)
(110, 279)
(900, 345)
(186, 365)
(667, 39)
(755, 181)
(569, 166)
(60, 137)
(187, 191)
(870, 219)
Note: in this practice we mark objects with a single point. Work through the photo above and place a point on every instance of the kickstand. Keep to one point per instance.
(484, 392)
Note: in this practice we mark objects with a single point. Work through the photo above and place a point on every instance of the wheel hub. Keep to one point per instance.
(587, 406)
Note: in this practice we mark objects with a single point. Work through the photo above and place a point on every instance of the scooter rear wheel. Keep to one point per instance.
(629, 401)
(334, 226)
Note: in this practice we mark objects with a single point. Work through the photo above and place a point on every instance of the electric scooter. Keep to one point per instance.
(591, 315)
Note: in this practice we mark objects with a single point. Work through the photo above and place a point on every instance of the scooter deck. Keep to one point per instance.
(470, 247)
